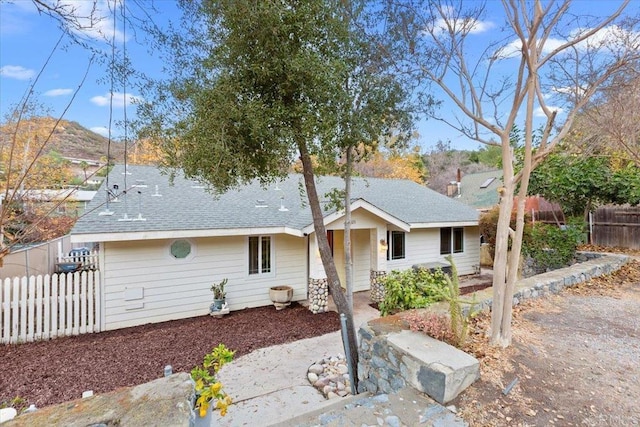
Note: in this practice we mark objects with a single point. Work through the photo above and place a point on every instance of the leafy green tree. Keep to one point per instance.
(490, 155)
(580, 183)
(256, 84)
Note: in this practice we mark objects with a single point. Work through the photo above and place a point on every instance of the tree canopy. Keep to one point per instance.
(581, 183)
(255, 84)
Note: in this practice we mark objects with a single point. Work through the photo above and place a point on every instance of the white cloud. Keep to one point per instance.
(466, 26)
(514, 48)
(606, 37)
(119, 99)
(100, 130)
(569, 90)
(16, 72)
(538, 112)
(94, 19)
(58, 92)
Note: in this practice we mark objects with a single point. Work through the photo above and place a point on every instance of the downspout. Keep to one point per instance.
(101, 263)
(306, 236)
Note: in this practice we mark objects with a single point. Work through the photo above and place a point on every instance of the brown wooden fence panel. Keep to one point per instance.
(549, 217)
(617, 226)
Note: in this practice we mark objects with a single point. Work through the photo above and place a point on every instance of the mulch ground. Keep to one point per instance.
(49, 372)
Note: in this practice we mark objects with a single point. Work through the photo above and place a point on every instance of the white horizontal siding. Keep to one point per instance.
(361, 260)
(175, 289)
(423, 245)
(360, 219)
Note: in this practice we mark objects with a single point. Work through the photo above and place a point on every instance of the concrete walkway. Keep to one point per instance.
(270, 385)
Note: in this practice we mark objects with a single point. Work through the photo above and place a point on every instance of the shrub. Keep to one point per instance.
(489, 225)
(553, 247)
(412, 289)
(435, 325)
(454, 328)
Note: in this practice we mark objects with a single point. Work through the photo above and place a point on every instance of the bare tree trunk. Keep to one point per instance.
(327, 259)
(348, 261)
(501, 298)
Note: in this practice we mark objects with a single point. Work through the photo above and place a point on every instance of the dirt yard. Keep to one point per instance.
(575, 360)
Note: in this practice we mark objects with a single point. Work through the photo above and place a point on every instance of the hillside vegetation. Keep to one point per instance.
(71, 139)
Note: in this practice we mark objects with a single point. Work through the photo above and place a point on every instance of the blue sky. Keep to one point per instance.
(27, 38)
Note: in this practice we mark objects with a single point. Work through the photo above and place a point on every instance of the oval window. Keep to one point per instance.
(180, 249)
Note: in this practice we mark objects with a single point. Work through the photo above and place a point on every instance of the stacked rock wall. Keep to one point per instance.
(318, 295)
(377, 288)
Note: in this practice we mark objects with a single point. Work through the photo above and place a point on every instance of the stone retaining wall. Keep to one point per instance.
(596, 264)
(386, 365)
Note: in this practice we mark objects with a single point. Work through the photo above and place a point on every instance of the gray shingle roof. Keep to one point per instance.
(480, 198)
(185, 205)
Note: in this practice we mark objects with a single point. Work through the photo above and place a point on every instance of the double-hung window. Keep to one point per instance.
(451, 240)
(396, 245)
(260, 254)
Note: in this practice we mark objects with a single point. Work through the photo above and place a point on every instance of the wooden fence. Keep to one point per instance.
(616, 226)
(44, 307)
(548, 217)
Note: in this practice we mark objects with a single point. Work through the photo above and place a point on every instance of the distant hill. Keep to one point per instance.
(74, 140)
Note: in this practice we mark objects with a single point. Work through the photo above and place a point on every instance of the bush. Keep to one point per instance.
(412, 289)
(435, 325)
(553, 247)
(454, 328)
(489, 225)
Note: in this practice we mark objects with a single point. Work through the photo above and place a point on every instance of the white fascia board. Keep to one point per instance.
(181, 234)
(444, 224)
(362, 204)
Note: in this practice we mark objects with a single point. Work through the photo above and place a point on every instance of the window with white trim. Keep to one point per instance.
(395, 245)
(451, 240)
(260, 254)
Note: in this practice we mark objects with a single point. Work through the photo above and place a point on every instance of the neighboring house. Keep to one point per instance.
(162, 245)
(68, 201)
(478, 190)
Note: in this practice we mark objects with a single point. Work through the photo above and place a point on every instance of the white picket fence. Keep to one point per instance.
(49, 306)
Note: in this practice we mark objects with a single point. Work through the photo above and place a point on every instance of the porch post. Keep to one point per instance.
(379, 244)
(318, 284)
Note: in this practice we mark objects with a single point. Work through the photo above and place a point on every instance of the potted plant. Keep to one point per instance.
(219, 295)
(207, 387)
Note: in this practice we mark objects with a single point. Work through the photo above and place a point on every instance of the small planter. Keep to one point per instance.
(281, 296)
(205, 421)
(217, 304)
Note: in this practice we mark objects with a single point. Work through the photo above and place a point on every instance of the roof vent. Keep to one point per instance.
(261, 204)
(282, 208)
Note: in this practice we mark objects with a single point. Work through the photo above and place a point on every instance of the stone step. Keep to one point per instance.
(406, 407)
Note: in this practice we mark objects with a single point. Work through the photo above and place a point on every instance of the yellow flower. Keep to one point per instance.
(215, 388)
(203, 410)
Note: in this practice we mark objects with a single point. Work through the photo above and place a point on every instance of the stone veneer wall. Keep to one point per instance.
(383, 367)
(377, 288)
(318, 295)
(529, 268)
(379, 368)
